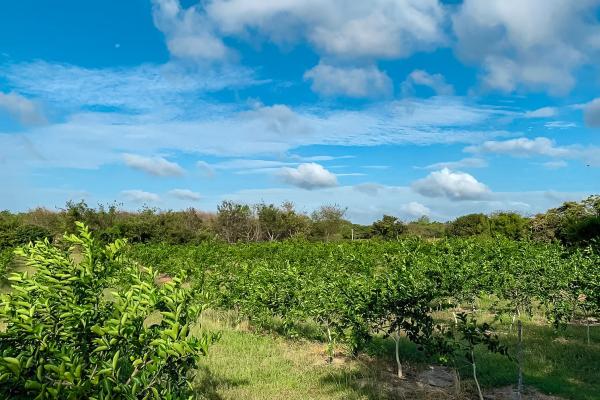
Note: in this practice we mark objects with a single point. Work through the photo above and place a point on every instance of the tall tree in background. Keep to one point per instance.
(509, 224)
(388, 227)
(328, 222)
(235, 222)
(470, 225)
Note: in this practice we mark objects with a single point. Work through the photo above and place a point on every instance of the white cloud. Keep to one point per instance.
(536, 44)
(560, 125)
(21, 108)
(330, 80)
(540, 146)
(206, 169)
(544, 112)
(161, 89)
(591, 113)
(92, 139)
(555, 164)
(153, 109)
(243, 166)
(249, 164)
(308, 176)
(185, 194)
(372, 189)
(470, 162)
(436, 82)
(156, 166)
(277, 118)
(452, 185)
(415, 209)
(318, 158)
(338, 28)
(188, 32)
(140, 196)
(521, 147)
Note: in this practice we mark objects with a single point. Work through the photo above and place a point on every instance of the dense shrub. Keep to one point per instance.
(469, 225)
(89, 324)
(575, 224)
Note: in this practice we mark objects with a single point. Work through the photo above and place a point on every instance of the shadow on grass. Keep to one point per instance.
(558, 363)
(206, 383)
(375, 378)
(555, 363)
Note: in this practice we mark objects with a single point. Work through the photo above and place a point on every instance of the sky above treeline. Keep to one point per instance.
(402, 107)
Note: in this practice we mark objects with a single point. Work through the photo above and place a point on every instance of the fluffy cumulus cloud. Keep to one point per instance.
(140, 196)
(21, 108)
(185, 194)
(452, 185)
(188, 32)
(308, 176)
(330, 80)
(536, 44)
(591, 113)
(156, 166)
(435, 82)
(338, 28)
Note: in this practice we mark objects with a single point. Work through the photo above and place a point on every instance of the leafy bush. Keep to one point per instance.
(91, 324)
(6, 256)
(469, 225)
(30, 233)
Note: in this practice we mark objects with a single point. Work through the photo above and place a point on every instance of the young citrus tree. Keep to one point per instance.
(87, 323)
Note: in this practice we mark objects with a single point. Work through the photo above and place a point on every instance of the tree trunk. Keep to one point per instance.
(587, 327)
(456, 382)
(475, 375)
(520, 360)
(330, 350)
(398, 363)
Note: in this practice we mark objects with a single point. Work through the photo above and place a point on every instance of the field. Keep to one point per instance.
(297, 291)
(345, 320)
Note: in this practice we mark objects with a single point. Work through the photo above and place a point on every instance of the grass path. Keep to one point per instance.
(250, 365)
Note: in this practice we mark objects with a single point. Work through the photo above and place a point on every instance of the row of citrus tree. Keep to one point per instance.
(353, 291)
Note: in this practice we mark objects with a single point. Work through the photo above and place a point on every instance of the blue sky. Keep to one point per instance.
(403, 107)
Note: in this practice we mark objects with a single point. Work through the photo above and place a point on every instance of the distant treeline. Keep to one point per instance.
(573, 224)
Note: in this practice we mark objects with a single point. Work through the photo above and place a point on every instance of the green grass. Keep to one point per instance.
(250, 365)
(559, 363)
(246, 364)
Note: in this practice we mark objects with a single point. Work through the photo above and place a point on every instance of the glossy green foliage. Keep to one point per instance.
(87, 323)
(354, 290)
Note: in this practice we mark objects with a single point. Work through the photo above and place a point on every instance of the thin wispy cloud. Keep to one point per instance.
(185, 194)
(140, 196)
